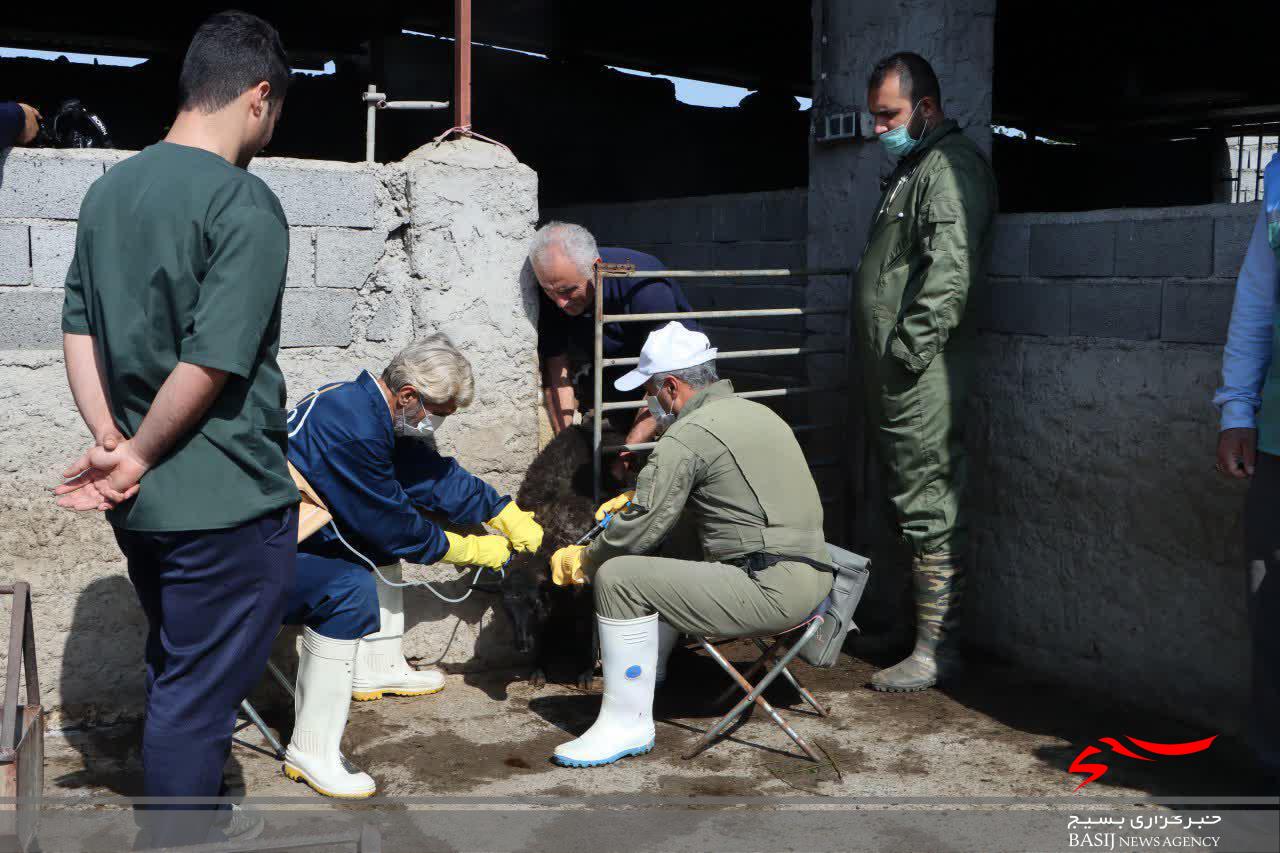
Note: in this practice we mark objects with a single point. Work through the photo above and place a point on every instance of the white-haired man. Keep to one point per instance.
(358, 448)
(563, 256)
(731, 470)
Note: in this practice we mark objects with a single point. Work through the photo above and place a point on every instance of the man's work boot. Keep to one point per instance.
(321, 703)
(938, 583)
(624, 726)
(381, 669)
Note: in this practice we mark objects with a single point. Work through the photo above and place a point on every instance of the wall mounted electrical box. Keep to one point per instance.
(835, 126)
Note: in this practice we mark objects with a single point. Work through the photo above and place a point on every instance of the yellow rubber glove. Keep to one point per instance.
(518, 526)
(566, 566)
(488, 551)
(614, 504)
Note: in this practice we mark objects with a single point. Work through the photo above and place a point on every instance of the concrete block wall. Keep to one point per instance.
(374, 262)
(1106, 550)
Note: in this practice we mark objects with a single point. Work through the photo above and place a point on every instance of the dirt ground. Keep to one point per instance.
(998, 733)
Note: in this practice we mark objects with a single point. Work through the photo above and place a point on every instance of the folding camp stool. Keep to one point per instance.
(756, 694)
(256, 720)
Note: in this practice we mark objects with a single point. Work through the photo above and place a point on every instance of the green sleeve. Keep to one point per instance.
(75, 319)
(953, 219)
(240, 292)
(662, 489)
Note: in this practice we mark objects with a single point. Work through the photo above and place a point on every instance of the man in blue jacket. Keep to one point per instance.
(361, 447)
(1249, 447)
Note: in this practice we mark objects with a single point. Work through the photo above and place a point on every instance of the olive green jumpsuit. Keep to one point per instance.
(730, 474)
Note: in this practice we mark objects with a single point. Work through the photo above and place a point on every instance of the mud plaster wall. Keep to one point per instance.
(378, 255)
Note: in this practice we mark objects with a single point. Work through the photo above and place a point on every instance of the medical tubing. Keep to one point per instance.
(427, 584)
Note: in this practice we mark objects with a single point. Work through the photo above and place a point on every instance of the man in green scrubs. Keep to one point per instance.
(926, 252)
(171, 324)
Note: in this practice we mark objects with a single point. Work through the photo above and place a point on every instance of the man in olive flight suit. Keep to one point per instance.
(735, 473)
(926, 250)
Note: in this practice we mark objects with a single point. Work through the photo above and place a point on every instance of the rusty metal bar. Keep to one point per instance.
(711, 315)
(9, 733)
(597, 381)
(462, 63)
(649, 445)
(748, 395)
(743, 353)
(629, 271)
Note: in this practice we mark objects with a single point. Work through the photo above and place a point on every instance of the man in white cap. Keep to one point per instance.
(731, 470)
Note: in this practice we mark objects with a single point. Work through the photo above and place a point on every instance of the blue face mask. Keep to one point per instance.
(897, 141)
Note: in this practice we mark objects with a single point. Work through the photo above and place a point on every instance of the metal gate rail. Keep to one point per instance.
(599, 362)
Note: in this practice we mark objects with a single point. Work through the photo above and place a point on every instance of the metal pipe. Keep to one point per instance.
(17, 622)
(649, 445)
(768, 273)
(371, 100)
(711, 315)
(597, 381)
(261, 726)
(414, 105)
(743, 353)
(462, 63)
(749, 395)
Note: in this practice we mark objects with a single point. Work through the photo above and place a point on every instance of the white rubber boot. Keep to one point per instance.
(629, 658)
(321, 702)
(667, 637)
(381, 669)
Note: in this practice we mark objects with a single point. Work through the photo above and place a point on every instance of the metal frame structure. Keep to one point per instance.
(719, 277)
(756, 694)
(22, 732)
(256, 719)
(375, 100)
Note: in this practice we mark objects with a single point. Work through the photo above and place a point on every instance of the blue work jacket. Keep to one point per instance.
(342, 441)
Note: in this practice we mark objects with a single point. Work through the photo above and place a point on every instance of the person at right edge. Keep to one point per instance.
(171, 326)
(1249, 447)
(927, 249)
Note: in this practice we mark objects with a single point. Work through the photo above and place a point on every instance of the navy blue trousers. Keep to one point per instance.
(1262, 548)
(333, 595)
(214, 600)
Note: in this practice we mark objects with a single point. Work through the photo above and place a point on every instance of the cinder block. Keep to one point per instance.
(30, 319)
(302, 258)
(784, 256)
(785, 216)
(385, 320)
(1025, 307)
(1129, 310)
(1010, 249)
(52, 247)
(1159, 248)
(336, 198)
(15, 255)
(316, 318)
(737, 220)
(1231, 239)
(1073, 250)
(346, 258)
(1196, 312)
(44, 186)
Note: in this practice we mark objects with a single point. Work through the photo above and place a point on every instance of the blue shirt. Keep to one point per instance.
(12, 121)
(375, 483)
(1247, 355)
(559, 334)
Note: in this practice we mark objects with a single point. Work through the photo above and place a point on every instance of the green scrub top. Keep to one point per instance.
(181, 256)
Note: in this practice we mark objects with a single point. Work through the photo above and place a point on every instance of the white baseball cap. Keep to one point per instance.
(673, 347)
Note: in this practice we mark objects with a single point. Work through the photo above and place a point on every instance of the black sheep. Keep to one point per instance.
(548, 620)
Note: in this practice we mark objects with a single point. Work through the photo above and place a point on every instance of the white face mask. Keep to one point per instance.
(661, 416)
(424, 428)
